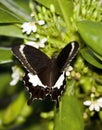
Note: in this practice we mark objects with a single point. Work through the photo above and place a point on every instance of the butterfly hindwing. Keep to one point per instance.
(57, 92)
(40, 91)
(36, 92)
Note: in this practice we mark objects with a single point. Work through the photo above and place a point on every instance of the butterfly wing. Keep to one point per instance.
(64, 58)
(36, 62)
(67, 54)
(33, 59)
(36, 92)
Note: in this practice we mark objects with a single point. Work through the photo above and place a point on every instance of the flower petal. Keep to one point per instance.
(91, 108)
(41, 22)
(33, 44)
(43, 40)
(34, 29)
(96, 107)
(87, 103)
(16, 75)
(67, 73)
(70, 68)
(14, 81)
(28, 27)
(28, 31)
(99, 100)
(24, 25)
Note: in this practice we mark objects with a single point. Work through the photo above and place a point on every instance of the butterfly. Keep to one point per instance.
(45, 76)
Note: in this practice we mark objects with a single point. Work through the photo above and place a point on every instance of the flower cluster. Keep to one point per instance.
(16, 75)
(94, 104)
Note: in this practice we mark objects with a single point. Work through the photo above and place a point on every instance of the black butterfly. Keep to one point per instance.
(45, 76)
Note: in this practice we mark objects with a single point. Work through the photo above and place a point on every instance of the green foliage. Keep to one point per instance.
(14, 31)
(48, 3)
(90, 57)
(65, 20)
(5, 78)
(11, 113)
(69, 115)
(5, 55)
(91, 34)
(10, 18)
(93, 39)
(17, 9)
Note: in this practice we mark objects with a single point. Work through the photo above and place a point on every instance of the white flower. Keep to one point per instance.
(29, 27)
(41, 22)
(68, 70)
(100, 2)
(40, 44)
(16, 75)
(94, 104)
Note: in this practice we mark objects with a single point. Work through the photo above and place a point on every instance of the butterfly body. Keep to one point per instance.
(45, 76)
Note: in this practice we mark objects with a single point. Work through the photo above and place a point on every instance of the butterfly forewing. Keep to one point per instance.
(67, 54)
(32, 59)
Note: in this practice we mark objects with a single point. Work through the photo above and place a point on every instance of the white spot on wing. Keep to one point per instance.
(27, 88)
(59, 82)
(34, 79)
(26, 61)
(21, 49)
(72, 48)
(30, 95)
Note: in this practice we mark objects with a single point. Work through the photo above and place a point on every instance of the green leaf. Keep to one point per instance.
(91, 32)
(14, 109)
(5, 79)
(7, 17)
(69, 115)
(17, 8)
(89, 56)
(14, 31)
(98, 56)
(66, 7)
(5, 55)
